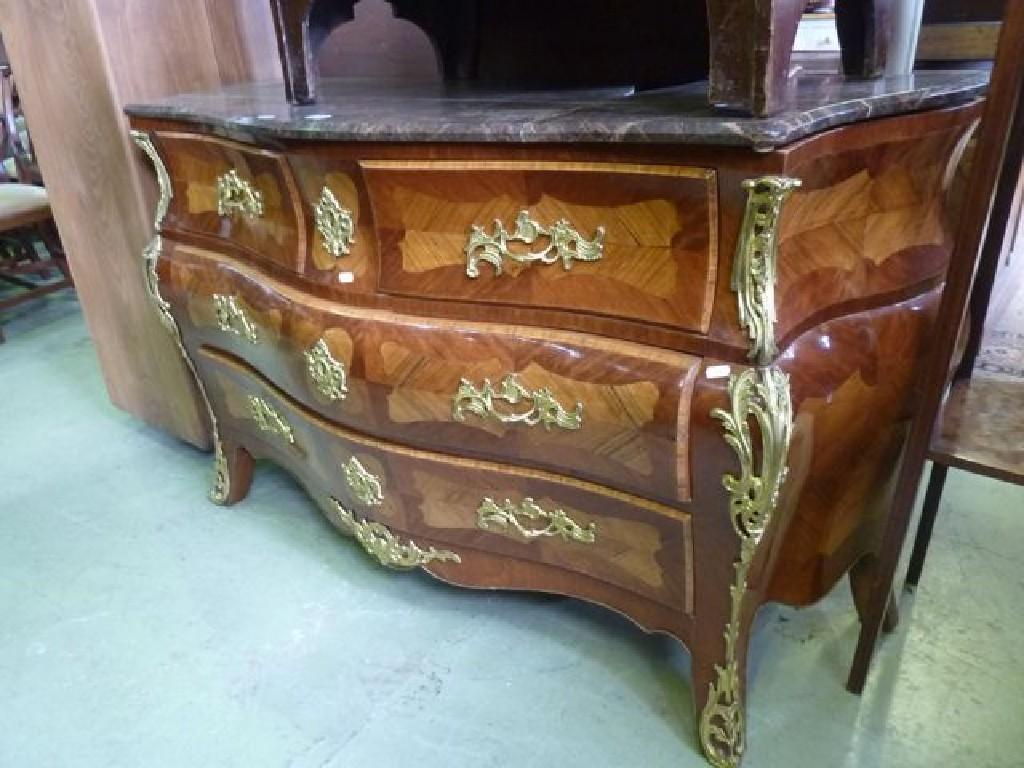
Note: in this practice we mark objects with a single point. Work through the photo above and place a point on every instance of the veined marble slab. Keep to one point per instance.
(374, 110)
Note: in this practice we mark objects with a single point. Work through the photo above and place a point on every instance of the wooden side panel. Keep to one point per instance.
(867, 223)
(77, 63)
(73, 108)
(853, 382)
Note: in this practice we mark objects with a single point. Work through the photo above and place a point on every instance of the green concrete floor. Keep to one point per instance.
(142, 626)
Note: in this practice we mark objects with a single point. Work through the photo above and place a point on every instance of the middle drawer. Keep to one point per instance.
(604, 410)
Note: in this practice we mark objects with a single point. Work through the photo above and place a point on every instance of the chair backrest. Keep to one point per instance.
(15, 148)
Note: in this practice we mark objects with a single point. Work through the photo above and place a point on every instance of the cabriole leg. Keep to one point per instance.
(720, 687)
(761, 396)
(232, 472)
(861, 576)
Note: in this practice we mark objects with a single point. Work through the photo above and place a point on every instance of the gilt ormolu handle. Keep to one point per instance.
(236, 195)
(565, 244)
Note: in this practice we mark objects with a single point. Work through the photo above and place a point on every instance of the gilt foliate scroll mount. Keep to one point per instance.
(761, 395)
(755, 266)
(380, 543)
(335, 224)
(235, 195)
(555, 523)
(487, 402)
(327, 373)
(564, 244)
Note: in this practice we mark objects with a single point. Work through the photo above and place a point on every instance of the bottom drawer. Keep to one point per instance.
(467, 505)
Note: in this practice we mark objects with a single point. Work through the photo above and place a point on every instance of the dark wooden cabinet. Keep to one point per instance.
(743, 49)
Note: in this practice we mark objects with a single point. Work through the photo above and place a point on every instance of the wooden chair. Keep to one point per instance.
(981, 426)
(976, 421)
(25, 217)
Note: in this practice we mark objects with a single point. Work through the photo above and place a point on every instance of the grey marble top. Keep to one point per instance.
(363, 110)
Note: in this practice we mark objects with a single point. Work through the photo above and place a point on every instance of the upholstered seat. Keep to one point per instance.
(22, 205)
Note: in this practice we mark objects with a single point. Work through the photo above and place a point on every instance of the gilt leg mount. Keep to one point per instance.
(220, 489)
(761, 394)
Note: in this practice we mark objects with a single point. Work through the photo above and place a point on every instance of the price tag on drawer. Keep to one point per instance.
(718, 371)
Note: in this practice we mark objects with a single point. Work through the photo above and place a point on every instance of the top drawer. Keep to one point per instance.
(234, 193)
(631, 241)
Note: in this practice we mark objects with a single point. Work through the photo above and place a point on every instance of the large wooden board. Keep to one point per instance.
(77, 63)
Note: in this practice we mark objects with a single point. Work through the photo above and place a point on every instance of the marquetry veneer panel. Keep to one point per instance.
(651, 233)
(624, 408)
(637, 545)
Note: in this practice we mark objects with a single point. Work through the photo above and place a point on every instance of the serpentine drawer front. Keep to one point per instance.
(632, 241)
(240, 195)
(457, 505)
(605, 410)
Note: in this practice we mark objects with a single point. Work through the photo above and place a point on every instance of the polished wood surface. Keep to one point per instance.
(403, 372)
(864, 246)
(863, 239)
(871, 221)
(855, 379)
(953, 30)
(870, 225)
(659, 256)
(638, 546)
(77, 64)
(196, 164)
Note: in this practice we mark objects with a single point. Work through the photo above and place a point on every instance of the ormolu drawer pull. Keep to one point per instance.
(231, 318)
(236, 195)
(269, 420)
(364, 485)
(545, 409)
(334, 223)
(380, 543)
(558, 523)
(564, 243)
(326, 373)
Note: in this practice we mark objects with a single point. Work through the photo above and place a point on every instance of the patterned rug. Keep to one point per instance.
(1001, 356)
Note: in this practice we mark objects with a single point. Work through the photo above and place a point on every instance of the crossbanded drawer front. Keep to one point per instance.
(457, 504)
(241, 195)
(629, 241)
(609, 411)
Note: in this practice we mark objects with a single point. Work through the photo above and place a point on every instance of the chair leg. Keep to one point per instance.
(51, 240)
(873, 614)
(930, 509)
(29, 253)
